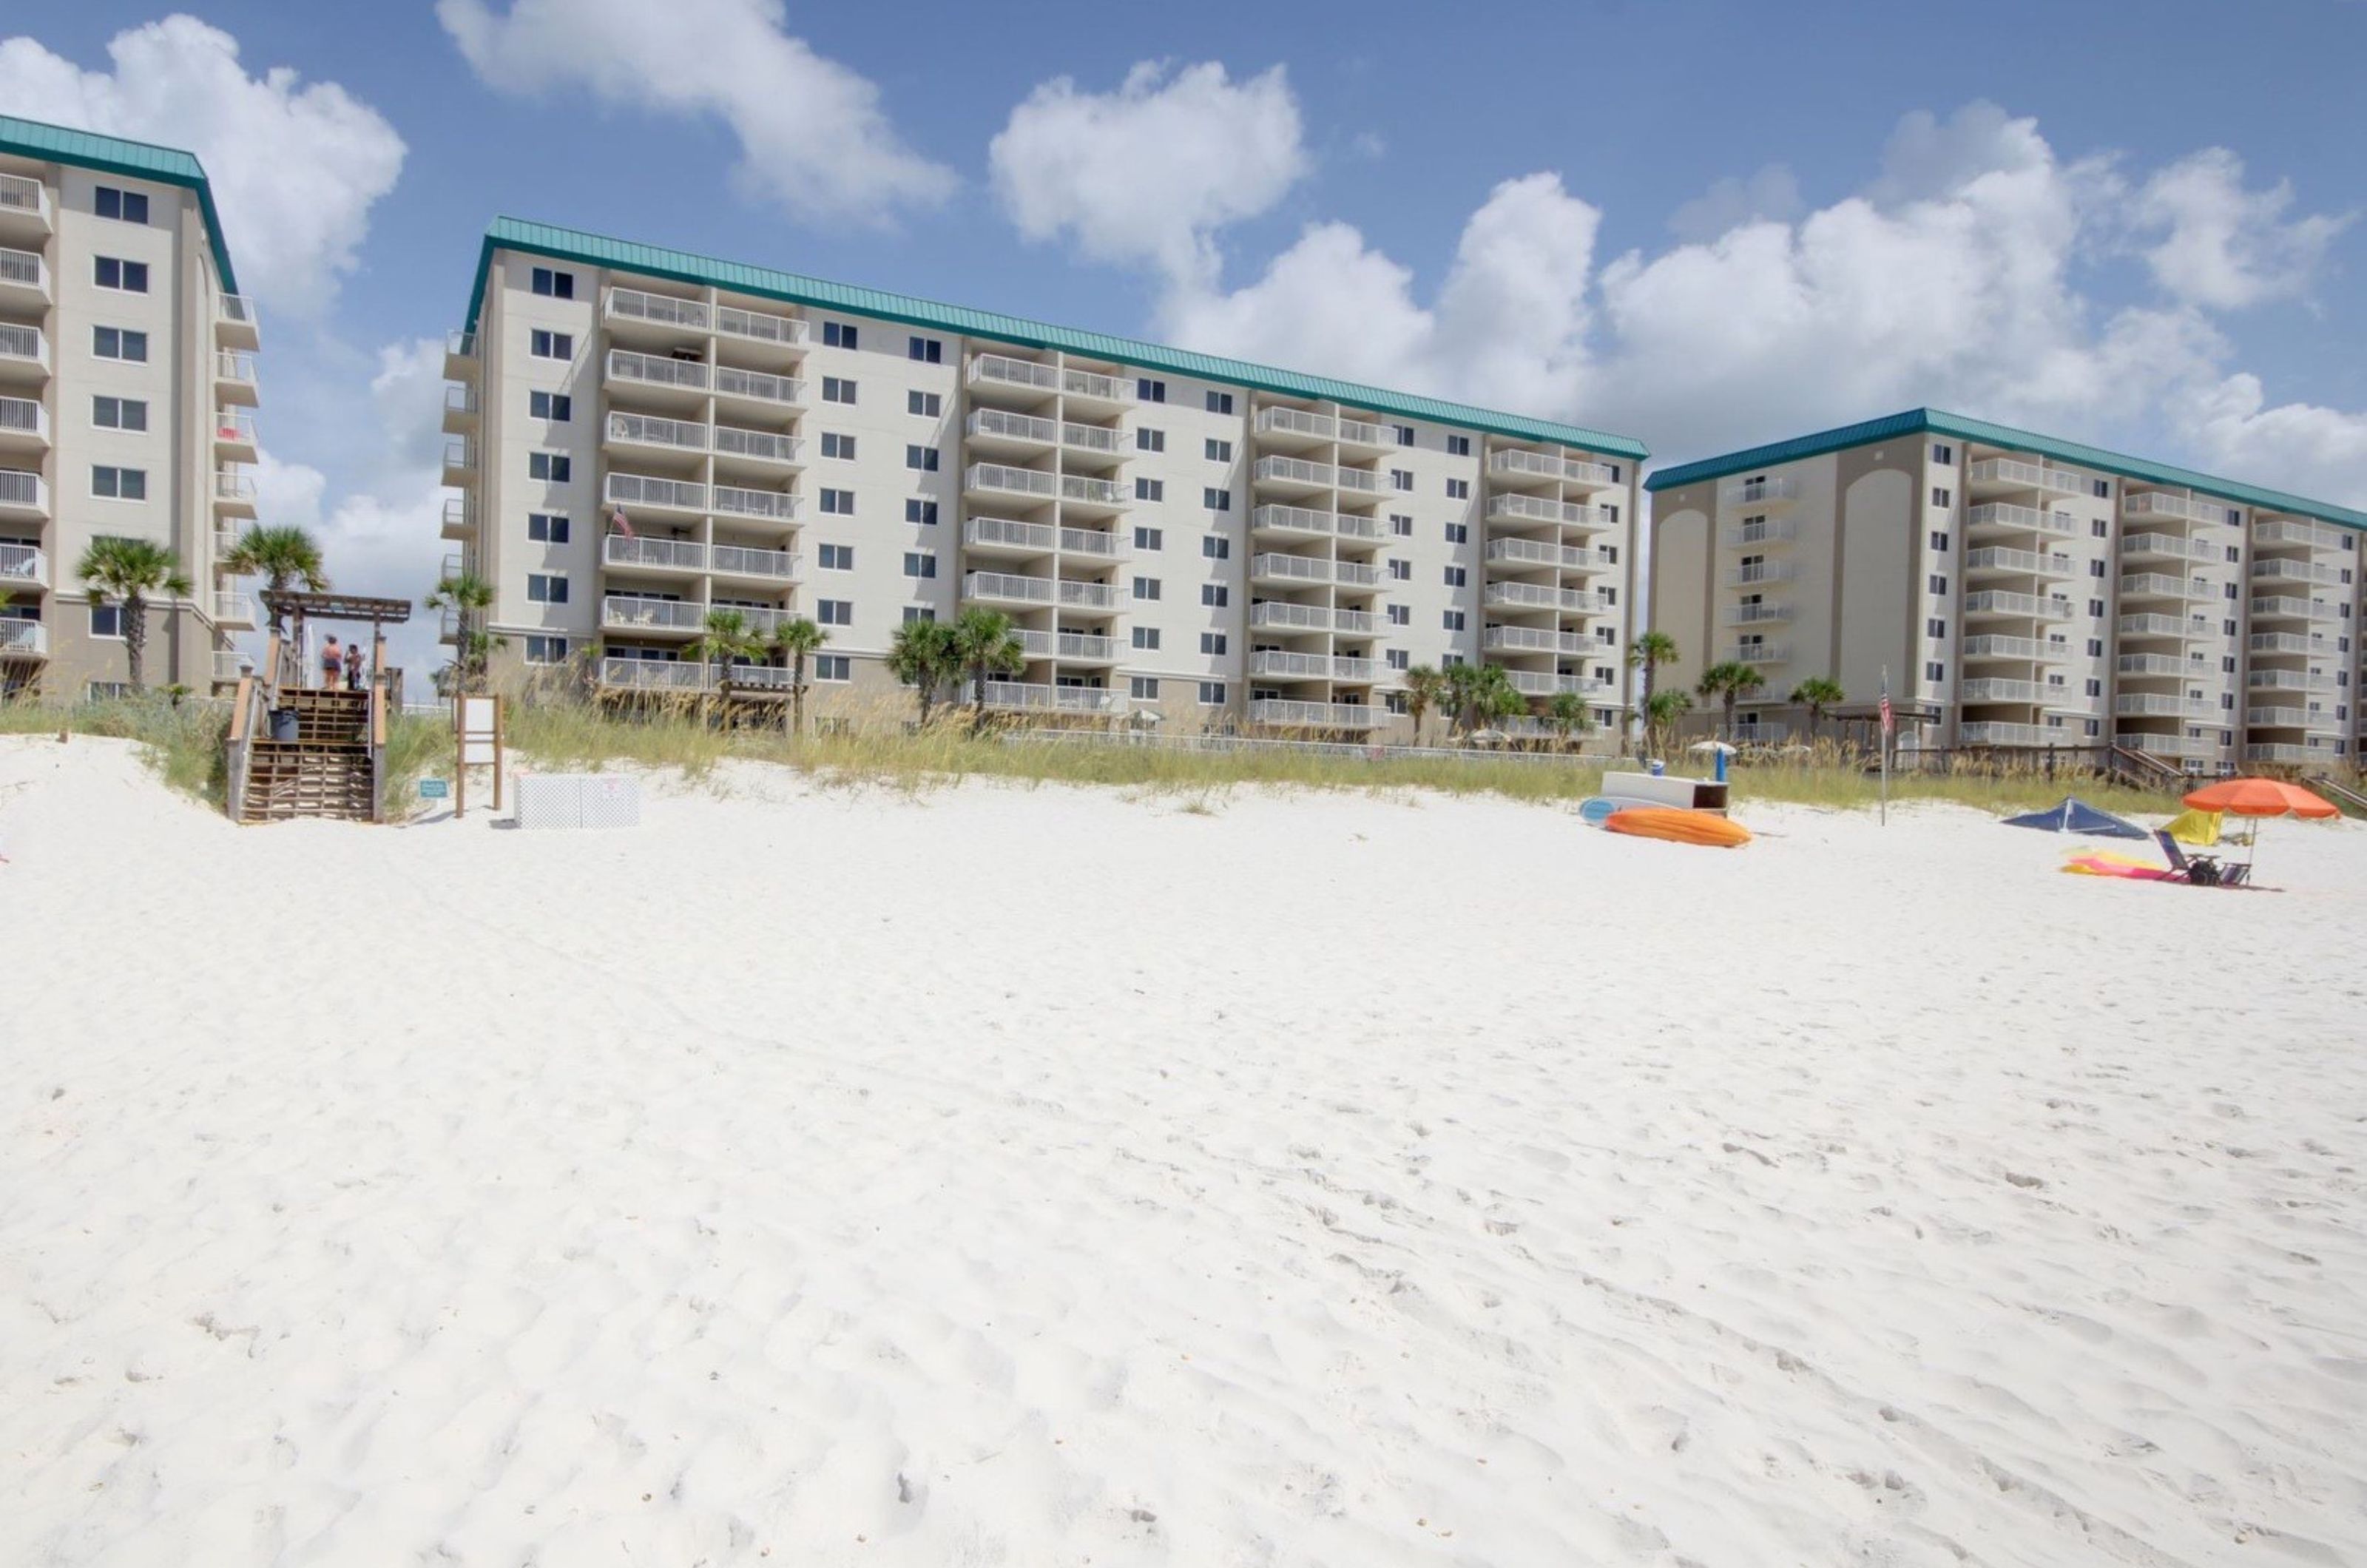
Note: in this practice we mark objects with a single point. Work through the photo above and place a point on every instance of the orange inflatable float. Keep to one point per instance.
(1676, 826)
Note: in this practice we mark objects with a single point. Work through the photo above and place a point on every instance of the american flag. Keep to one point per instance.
(623, 526)
(1889, 725)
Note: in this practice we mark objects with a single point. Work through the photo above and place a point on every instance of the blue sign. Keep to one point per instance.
(435, 789)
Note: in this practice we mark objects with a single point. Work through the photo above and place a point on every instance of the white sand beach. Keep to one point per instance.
(1041, 1176)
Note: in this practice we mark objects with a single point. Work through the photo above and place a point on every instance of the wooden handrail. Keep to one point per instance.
(238, 715)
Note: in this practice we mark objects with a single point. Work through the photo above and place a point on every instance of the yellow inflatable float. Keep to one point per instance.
(1676, 826)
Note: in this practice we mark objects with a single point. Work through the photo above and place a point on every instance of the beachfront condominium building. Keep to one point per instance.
(639, 435)
(127, 397)
(2021, 591)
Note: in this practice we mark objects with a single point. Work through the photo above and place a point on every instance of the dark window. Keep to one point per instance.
(554, 284)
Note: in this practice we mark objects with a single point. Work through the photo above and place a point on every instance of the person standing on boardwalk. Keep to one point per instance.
(332, 659)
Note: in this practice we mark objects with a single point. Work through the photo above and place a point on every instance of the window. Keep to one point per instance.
(1404, 433)
(2092, 726)
(1150, 489)
(919, 612)
(838, 335)
(1940, 497)
(1400, 479)
(106, 620)
(555, 407)
(119, 343)
(1217, 499)
(129, 206)
(552, 284)
(1212, 642)
(2226, 664)
(545, 649)
(1150, 391)
(2098, 528)
(1453, 620)
(1935, 673)
(838, 503)
(1458, 577)
(125, 276)
(838, 557)
(2095, 688)
(1220, 403)
(1449, 661)
(1142, 688)
(836, 668)
(2096, 650)
(1216, 595)
(118, 484)
(2234, 555)
(546, 587)
(1400, 526)
(118, 413)
(920, 563)
(1147, 638)
(1458, 446)
(1401, 571)
(923, 512)
(1401, 615)
(1398, 658)
(2096, 608)
(1943, 455)
(2099, 488)
(1146, 588)
(1212, 693)
(1939, 542)
(1216, 547)
(928, 405)
(2095, 569)
(1393, 702)
(834, 612)
(1458, 489)
(1936, 629)
(1938, 585)
(837, 390)
(1148, 440)
(553, 468)
(1216, 451)
(1458, 533)
(927, 350)
(921, 459)
(834, 445)
(544, 344)
(546, 528)
(1149, 539)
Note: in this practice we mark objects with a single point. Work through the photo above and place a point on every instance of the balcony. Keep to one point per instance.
(2005, 517)
(2259, 678)
(1081, 489)
(657, 373)
(23, 279)
(1274, 616)
(23, 425)
(2009, 735)
(2164, 745)
(1283, 714)
(2269, 569)
(2153, 506)
(753, 562)
(233, 492)
(1076, 594)
(23, 566)
(992, 373)
(2165, 664)
(1356, 574)
(2020, 563)
(1000, 479)
(231, 665)
(628, 309)
(23, 354)
(1355, 431)
(1089, 542)
(1536, 596)
(653, 674)
(1291, 474)
(1286, 570)
(458, 524)
(2278, 717)
(652, 555)
(234, 380)
(1362, 481)
(23, 496)
(1292, 521)
(1994, 474)
(1760, 652)
(2299, 756)
(1763, 531)
(996, 429)
(1019, 696)
(1535, 639)
(2149, 624)
(1750, 572)
(24, 639)
(1769, 492)
(641, 431)
(1281, 427)
(24, 206)
(2026, 606)
(1516, 552)
(2016, 648)
(1001, 536)
(2289, 609)
(758, 386)
(647, 492)
(2161, 585)
(637, 613)
(1755, 614)
(760, 506)
(460, 360)
(2158, 705)
(233, 609)
(1071, 648)
(2278, 532)
(1516, 466)
(761, 326)
(1003, 588)
(1534, 684)
(758, 446)
(1274, 664)
(237, 324)
(1100, 440)
(2311, 644)
(2165, 546)
(1355, 623)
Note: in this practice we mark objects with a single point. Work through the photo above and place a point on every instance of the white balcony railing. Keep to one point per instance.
(235, 427)
(1099, 439)
(2159, 664)
(1093, 384)
(1090, 595)
(1285, 666)
(1761, 652)
(1760, 493)
(1756, 615)
(2286, 608)
(234, 366)
(23, 640)
(24, 416)
(2261, 678)
(656, 371)
(233, 609)
(667, 555)
(2029, 562)
(1361, 479)
(1290, 519)
(2010, 735)
(760, 385)
(1016, 481)
(2026, 476)
(2138, 545)
(649, 491)
(997, 369)
(1535, 639)
(1007, 587)
(1029, 696)
(2270, 569)
(761, 326)
(2284, 531)
(653, 674)
(657, 309)
(2152, 504)
(1750, 572)
(2022, 519)
(771, 505)
(1285, 713)
(1291, 568)
(647, 430)
(2027, 606)
(1364, 432)
(1292, 470)
(1098, 492)
(1761, 531)
(23, 343)
(1296, 421)
(2164, 625)
(23, 196)
(764, 445)
(2160, 705)
(2306, 756)
(24, 564)
(24, 269)
(2290, 642)
(23, 491)
(2012, 647)
(1274, 615)
(749, 560)
(2164, 745)
(1009, 535)
(1089, 542)
(633, 611)
(1013, 426)
(2161, 585)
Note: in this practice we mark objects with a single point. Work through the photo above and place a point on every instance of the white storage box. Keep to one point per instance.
(578, 800)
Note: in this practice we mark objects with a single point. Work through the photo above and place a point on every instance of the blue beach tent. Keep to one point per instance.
(2076, 816)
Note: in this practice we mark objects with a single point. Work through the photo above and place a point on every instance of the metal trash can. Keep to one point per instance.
(283, 724)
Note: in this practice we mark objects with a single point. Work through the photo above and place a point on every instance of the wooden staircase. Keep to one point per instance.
(327, 771)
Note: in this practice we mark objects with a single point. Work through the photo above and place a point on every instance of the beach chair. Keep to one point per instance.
(2202, 871)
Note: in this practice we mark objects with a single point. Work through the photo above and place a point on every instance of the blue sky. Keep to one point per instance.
(2149, 209)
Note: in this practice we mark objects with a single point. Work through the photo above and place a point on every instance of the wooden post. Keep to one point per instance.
(498, 738)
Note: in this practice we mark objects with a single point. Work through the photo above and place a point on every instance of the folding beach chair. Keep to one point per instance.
(2202, 871)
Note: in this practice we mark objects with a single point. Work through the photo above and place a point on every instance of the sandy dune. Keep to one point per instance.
(1046, 1176)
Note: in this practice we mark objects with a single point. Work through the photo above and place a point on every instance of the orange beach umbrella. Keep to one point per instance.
(2260, 797)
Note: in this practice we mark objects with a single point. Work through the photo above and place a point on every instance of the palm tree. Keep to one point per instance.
(986, 644)
(467, 596)
(284, 556)
(1568, 715)
(1730, 682)
(1661, 717)
(1646, 654)
(1818, 695)
(796, 639)
(724, 637)
(131, 569)
(1424, 686)
(924, 657)
(1477, 693)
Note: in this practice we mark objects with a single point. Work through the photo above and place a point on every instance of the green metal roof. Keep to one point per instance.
(595, 249)
(134, 160)
(1938, 422)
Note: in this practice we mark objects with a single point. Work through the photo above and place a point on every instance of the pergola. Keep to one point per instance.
(303, 608)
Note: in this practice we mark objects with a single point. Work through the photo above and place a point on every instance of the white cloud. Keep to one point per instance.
(1771, 194)
(2225, 246)
(2303, 448)
(1148, 173)
(295, 167)
(812, 136)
